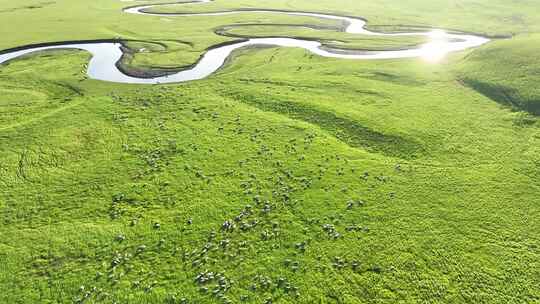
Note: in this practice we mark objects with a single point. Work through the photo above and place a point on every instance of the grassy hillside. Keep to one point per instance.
(507, 72)
(284, 178)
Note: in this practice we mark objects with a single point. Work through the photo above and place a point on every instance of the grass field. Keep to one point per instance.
(511, 81)
(285, 177)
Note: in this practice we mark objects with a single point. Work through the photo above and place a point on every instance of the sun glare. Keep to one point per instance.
(437, 48)
(437, 34)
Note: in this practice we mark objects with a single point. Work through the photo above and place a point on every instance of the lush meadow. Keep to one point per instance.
(285, 177)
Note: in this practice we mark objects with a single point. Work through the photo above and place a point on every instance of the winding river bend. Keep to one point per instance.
(106, 55)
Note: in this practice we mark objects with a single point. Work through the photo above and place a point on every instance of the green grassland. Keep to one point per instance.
(285, 177)
(511, 80)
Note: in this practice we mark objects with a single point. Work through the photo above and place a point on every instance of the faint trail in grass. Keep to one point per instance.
(71, 104)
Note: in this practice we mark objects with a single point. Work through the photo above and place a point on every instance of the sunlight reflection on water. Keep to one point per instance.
(435, 50)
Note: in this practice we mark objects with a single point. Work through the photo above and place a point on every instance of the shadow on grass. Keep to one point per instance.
(388, 77)
(344, 129)
(503, 95)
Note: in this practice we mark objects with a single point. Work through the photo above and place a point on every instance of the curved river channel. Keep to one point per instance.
(105, 55)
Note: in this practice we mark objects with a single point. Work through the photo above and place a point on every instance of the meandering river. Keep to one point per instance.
(105, 55)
